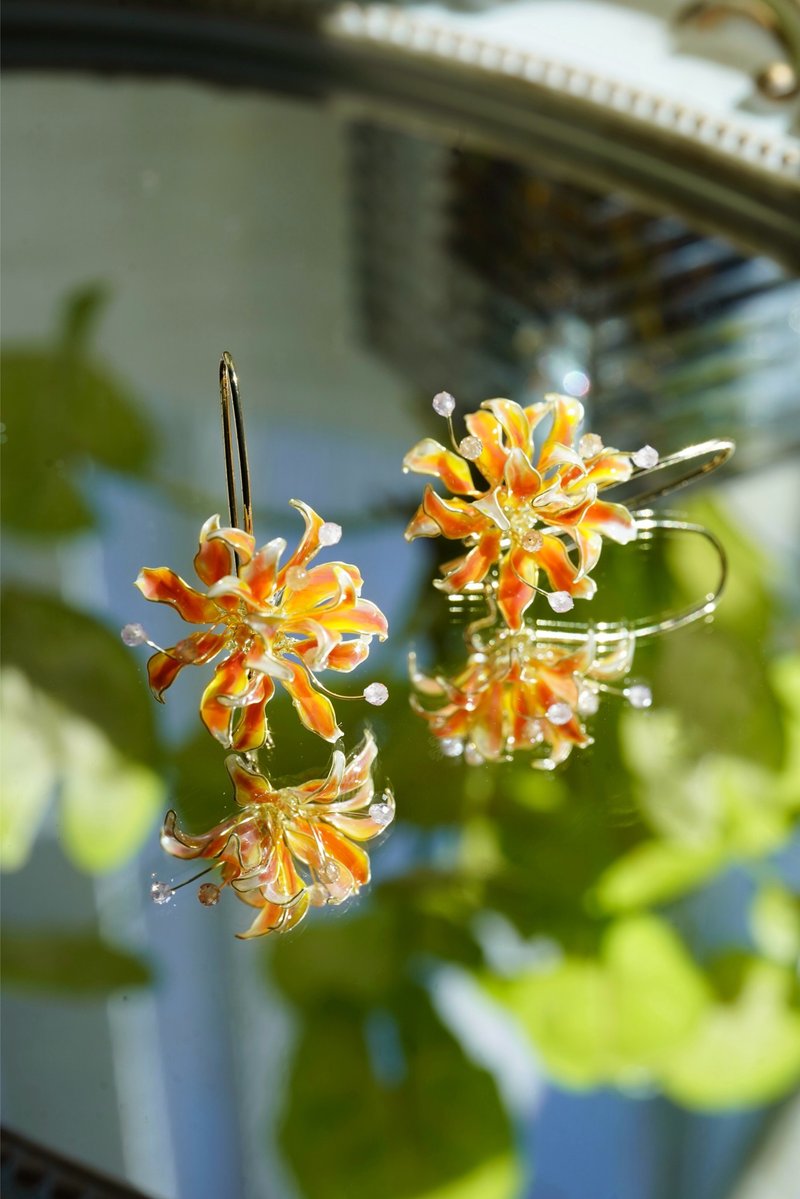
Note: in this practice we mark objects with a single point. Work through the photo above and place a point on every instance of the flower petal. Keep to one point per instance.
(237, 541)
(522, 480)
(514, 593)
(261, 572)
(474, 566)
(361, 617)
(309, 545)
(428, 457)
(187, 845)
(250, 785)
(489, 506)
(560, 569)
(329, 584)
(514, 422)
(359, 766)
(250, 729)
(421, 525)
(314, 709)
(454, 519)
(567, 417)
(213, 559)
(275, 918)
(349, 654)
(492, 460)
(329, 787)
(610, 520)
(608, 468)
(163, 586)
(230, 679)
(165, 666)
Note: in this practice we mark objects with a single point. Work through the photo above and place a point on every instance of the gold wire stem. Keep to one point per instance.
(719, 448)
(230, 402)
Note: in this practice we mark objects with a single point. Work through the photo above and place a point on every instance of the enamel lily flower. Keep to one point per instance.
(290, 848)
(517, 695)
(271, 623)
(539, 514)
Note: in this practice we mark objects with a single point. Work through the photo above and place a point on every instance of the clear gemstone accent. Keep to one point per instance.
(161, 892)
(382, 811)
(470, 448)
(376, 694)
(296, 576)
(559, 713)
(534, 732)
(472, 755)
(645, 457)
(451, 747)
(330, 533)
(588, 701)
(561, 601)
(639, 695)
(133, 634)
(208, 894)
(590, 445)
(444, 404)
(532, 541)
(329, 871)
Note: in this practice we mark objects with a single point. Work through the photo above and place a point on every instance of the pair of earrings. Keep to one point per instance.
(534, 510)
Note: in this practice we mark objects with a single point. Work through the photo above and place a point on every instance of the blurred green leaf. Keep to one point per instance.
(741, 1053)
(28, 767)
(61, 410)
(616, 1017)
(351, 957)
(775, 923)
(654, 872)
(75, 660)
(389, 1106)
(108, 803)
(70, 963)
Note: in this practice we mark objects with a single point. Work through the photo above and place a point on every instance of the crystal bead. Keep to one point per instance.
(639, 695)
(444, 404)
(472, 755)
(590, 445)
(330, 533)
(329, 871)
(161, 892)
(208, 894)
(532, 541)
(451, 747)
(560, 601)
(133, 634)
(559, 713)
(296, 577)
(382, 811)
(534, 732)
(645, 457)
(588, 701)
(470, 448)
(376, 694)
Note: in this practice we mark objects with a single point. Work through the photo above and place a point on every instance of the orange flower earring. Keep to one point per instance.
(271, 623)
(526, 506)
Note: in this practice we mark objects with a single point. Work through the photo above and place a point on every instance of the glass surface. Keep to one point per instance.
(558, 985)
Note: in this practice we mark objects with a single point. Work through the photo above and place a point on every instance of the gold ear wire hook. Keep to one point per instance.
(229, 400)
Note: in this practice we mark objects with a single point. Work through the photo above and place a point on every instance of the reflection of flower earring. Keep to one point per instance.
(289, 847)
(528, 686)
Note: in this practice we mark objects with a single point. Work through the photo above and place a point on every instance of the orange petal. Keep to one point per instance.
(250, 731)
(273, 918)
(522, 480)
(362, 617)
(608, 468)
(492, 460)
(351, 856)
(238, 542)
(359, 766)
(186, 845)
(314, 709)
(348, 654)
(261, 572)
(213, 559)
(421, 525)
(514, 422)
(250, 786)
(357, 828)
(309, 545)
(331, 583)
(567, 417)
(514, 594)
(475, 565)
(164, 667)
(487, 732)
(454, 518)
(560, 569)
(165, 587)
(589, 546)
(610, 520)
(162, 671)
(329, 787)
(428, 457)
(229, 680)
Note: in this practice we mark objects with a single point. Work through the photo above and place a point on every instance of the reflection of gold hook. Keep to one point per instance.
(778, 80)
(229, 399)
